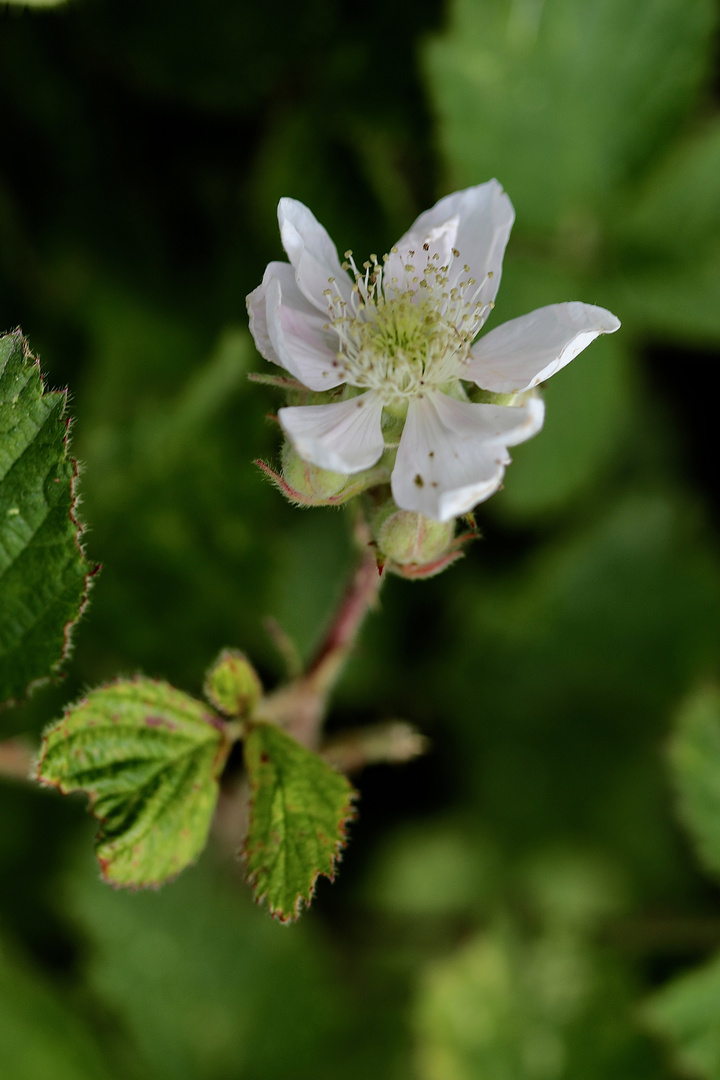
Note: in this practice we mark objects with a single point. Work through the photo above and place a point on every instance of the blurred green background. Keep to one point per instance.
(508, 902)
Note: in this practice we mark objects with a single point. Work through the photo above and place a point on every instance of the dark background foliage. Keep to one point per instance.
(507, 901)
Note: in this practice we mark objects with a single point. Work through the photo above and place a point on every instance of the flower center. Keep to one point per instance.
(404, 331)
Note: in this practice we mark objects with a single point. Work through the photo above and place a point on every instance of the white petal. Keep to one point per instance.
(411, 252)
(257, 312)
(526, 351)
(312, 253)
(345, 437)
(485, 217)
(297, 332)
(452, 454)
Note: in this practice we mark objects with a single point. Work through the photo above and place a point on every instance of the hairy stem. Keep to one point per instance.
(360, 595)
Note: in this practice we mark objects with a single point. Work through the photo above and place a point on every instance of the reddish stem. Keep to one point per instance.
(300, 705)
(359, 597)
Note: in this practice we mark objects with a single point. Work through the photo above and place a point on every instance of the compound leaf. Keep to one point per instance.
(148, 756)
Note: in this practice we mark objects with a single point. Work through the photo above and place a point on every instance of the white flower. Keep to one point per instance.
(402, 333)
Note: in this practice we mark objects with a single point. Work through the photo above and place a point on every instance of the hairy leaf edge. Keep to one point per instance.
(79, 527)
(348, 814)
(224, 748)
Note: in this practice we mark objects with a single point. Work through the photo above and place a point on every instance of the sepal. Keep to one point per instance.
(359, 483)
(307, 479)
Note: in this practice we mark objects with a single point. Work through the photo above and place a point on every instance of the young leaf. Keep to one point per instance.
(43, 572)
(695, 760)
(148, 756)
(232, 684)
(298, 815)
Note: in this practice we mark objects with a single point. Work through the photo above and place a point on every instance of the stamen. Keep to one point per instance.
(396, 340)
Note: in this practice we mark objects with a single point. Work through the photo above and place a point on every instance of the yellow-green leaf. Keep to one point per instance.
(299, 812)
(148, 757)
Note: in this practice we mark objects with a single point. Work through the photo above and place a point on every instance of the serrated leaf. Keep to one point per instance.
(43, 572)
(148, 756)
(684, 1014)
(298, 815)
(695, 760)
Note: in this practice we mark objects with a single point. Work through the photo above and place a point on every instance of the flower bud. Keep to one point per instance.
(406, 537)
(309, 480)
(233, 685)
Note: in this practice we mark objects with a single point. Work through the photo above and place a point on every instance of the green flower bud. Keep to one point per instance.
(309, 480)
(233, 685)
(407, 538)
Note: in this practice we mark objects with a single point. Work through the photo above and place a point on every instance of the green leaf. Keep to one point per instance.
(515, 85)
(674, 299)
(588, 421)
(677, 210)
(196, 976)
(148, 756)
(43, 572)
(299, 811)
(684, 1014)
(695, 760)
